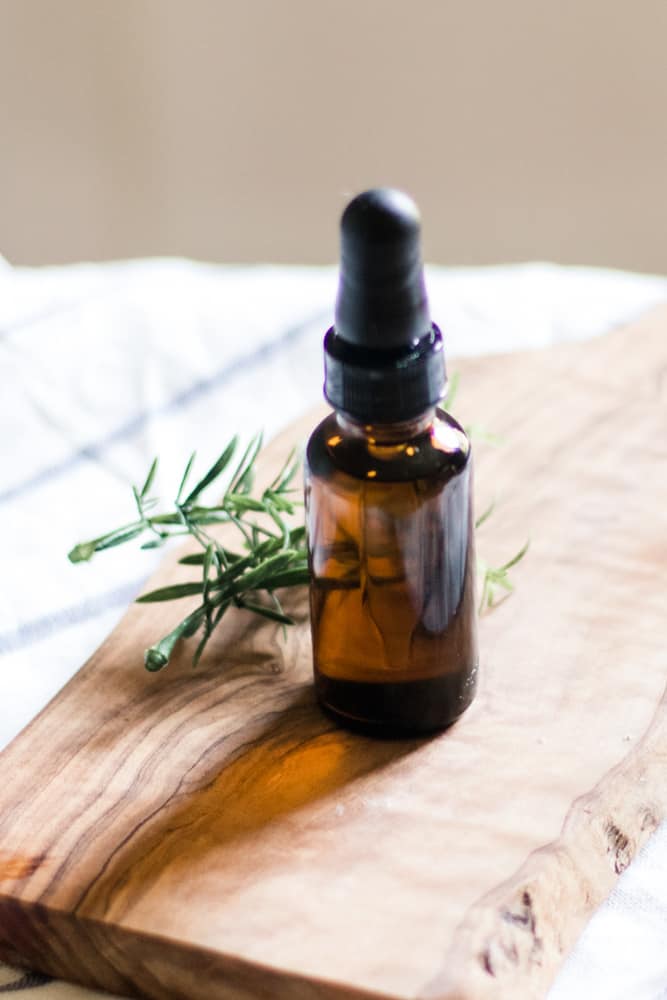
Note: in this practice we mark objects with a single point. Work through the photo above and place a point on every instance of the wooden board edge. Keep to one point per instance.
(130, 963)
(515, 949)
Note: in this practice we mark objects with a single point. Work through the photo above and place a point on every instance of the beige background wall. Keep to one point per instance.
(235, 130)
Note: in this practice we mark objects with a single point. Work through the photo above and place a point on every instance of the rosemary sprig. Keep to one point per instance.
(273, 556)
(495, 578)
(273, 552)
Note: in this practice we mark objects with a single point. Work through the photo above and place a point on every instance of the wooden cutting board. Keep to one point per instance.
(212, 834)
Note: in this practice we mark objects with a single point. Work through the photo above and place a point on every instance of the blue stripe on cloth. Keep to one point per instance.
(51, 624)
(94, 451)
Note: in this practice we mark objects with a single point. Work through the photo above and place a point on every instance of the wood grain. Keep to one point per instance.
(211, 833)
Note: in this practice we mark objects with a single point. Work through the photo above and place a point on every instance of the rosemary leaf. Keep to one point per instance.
(240, 502)
(517, 558)
(253, 579)
(201, 646)
(197, 558)
(206, 570)
(486, 515)
(286, 474)
(186, 473)
(149, 479)
(244, 474)
(272, 613)
(216, 469)
(288, 578)
(119, 539)
(171, 593)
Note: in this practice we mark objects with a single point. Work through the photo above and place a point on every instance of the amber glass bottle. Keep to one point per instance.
(389, 495)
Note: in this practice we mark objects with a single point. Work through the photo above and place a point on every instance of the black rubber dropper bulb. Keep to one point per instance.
(383, 357)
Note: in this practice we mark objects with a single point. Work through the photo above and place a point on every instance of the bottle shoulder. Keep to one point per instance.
(439, 452)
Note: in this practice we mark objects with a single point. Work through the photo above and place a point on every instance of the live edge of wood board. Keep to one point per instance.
(191, 834)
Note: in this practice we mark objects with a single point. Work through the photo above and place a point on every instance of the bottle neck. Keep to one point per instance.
(375, 433)
(383, 387)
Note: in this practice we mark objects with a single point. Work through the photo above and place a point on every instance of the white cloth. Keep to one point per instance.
(102, 367)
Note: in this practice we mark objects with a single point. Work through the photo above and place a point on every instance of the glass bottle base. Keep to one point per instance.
(396, 709)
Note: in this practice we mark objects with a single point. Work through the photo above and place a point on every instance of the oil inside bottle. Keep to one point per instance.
(390, 527)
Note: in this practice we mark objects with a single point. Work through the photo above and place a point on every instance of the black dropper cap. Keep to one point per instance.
(383, 357)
